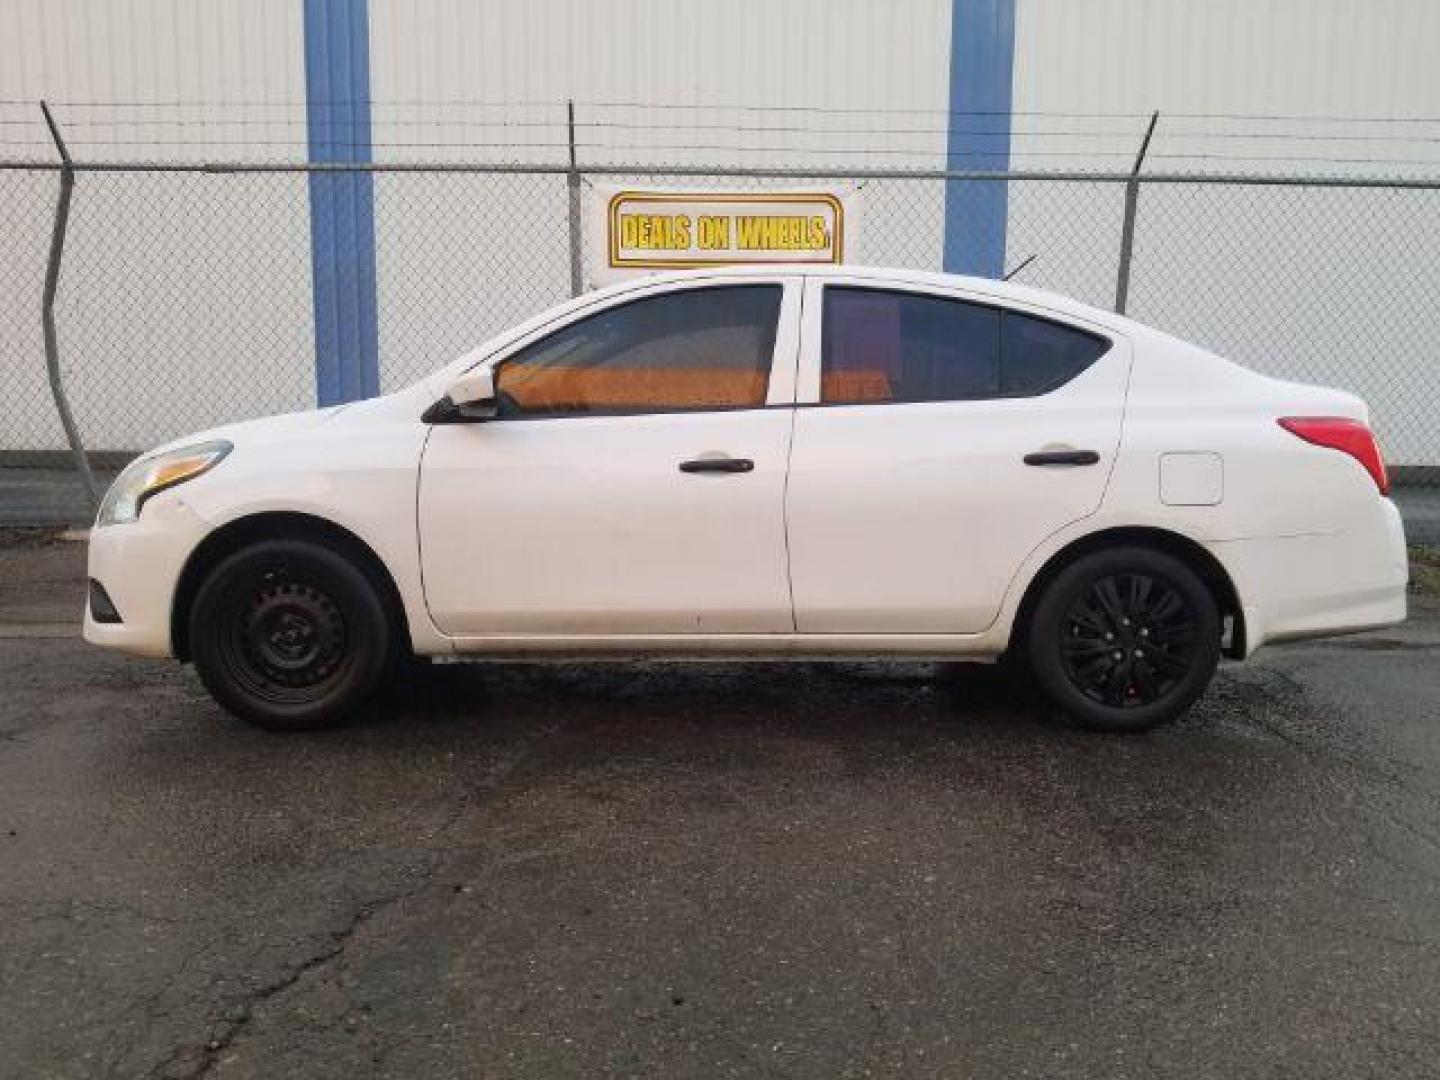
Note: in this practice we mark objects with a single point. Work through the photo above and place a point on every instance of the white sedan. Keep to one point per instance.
(782, 462)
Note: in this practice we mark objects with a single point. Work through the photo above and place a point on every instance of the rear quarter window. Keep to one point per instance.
(1038, 355)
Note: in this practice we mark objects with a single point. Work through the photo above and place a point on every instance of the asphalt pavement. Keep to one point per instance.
(1420, 510)
(725, 870)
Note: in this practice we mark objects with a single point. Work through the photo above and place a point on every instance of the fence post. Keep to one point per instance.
(1127, 230)
(47, 311)
(572, 182)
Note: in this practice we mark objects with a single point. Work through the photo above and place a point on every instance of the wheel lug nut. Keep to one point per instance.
(1139, 652)
(1118, 655)
(1109, 636)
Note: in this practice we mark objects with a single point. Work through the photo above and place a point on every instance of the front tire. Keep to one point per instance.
(1124, 639)
(289, 635)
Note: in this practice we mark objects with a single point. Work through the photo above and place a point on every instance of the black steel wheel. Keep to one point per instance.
(1125, 639)
(289, 634)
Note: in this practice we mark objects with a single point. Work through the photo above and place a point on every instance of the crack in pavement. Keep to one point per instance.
(242, 1013)
(245, 1011)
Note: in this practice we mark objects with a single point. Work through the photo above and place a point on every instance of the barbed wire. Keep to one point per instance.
(559, 126)
(424, 103)
(844, 133)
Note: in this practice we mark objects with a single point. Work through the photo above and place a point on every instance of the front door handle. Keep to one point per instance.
(1063, 457)
(717, 464)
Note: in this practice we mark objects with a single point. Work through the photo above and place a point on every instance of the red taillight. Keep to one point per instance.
(1343, 434)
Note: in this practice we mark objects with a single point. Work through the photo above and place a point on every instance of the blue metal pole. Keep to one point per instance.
(982, 63)
(342, 204)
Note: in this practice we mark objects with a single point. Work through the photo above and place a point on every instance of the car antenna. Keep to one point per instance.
(1022, 266)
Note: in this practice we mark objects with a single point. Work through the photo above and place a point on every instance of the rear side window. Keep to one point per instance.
(879, 346)
(704, 348)
(884, 346)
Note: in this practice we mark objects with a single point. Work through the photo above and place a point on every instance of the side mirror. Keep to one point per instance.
(474, 393)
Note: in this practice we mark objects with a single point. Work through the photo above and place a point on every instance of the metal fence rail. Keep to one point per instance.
(184, 295)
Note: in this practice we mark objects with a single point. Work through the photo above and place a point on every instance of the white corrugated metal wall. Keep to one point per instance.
(748, 82)
(1328, 85)
(1323, 286)
(150, 287)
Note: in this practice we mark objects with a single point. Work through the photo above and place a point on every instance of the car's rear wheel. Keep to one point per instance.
(1124, 639)
(289, 634)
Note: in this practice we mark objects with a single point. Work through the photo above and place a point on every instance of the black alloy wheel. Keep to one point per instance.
(1125, 639)
(1128, 639)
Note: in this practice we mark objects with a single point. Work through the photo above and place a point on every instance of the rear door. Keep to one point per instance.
(634, 480)
(939, 439)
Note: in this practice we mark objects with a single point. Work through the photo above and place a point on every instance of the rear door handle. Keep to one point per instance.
(1063, 457)
(717, 464)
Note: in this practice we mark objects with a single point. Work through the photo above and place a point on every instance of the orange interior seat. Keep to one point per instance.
(856, 386)
(546, 388)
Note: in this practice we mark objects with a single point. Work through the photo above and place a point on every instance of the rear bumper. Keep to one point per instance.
(138, 565)
(1321, 584)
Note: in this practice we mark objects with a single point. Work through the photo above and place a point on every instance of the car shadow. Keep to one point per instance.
(812, 696)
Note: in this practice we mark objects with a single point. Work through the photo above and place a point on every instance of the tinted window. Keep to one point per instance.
(887, 346)
(1040, 355)
(700, 349)
(880, 345)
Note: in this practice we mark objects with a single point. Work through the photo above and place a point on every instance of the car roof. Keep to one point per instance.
(894, 277)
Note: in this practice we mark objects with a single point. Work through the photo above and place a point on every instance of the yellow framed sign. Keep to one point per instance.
(645, 230)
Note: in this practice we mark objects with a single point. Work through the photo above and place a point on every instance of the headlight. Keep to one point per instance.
(152, 475)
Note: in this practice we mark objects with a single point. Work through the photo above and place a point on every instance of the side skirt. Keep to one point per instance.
(979, 647)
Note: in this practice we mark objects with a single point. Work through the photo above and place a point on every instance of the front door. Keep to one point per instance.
(634, 480)
(915, 492)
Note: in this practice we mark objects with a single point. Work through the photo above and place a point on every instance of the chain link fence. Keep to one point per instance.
(185, 297)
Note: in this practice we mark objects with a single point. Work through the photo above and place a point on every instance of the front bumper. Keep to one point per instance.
(138, 565)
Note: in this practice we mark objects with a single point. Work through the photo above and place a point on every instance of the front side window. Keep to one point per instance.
(707, 348)
(880, 346)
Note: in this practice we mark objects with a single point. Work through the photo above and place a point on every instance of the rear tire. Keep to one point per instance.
(289, 635)
(1124, 639)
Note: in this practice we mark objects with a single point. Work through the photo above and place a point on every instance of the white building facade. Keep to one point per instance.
(191, 298)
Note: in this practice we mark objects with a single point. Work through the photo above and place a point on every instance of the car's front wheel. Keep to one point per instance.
(1124, 639)
(289, 634)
